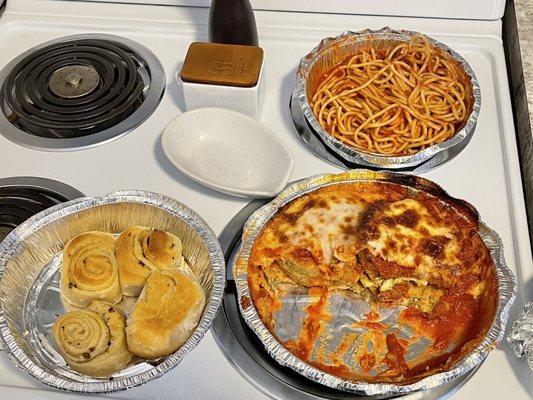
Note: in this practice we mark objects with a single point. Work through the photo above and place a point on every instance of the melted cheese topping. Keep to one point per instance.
(401, 244)
(322, 229)
(370, 240)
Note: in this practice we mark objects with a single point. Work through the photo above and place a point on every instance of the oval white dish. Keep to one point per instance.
(229, 152)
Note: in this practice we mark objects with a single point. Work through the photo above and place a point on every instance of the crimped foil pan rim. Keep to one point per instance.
(507, 290)
(375, 160)
(15, 238)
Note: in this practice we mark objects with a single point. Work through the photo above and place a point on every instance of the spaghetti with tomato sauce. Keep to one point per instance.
(394, 101)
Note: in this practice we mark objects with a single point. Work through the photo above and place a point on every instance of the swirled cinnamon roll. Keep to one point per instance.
(89, 270)
(140, 251)
(93, 341)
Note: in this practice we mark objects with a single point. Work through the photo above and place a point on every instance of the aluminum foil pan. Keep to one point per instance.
(506, 288)
(29, 290)
(331, 51)
(521, 336)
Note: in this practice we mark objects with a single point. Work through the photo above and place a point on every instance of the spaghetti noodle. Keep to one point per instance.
(396, 101)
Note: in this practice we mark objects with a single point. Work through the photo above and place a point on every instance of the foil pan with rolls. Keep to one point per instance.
(346, 311)
(30, 258)
(331, 51)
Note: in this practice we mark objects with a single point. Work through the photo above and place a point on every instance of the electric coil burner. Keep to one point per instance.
(78, 91)
(247, 354)
(22, 197)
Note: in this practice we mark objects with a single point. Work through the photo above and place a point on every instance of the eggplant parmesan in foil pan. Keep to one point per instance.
(371, 280)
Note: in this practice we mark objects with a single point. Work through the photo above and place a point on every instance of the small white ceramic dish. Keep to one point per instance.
(229, 152)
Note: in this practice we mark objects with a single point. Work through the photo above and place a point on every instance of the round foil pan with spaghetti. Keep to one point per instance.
(332, 51)
(30, 258)
(346, 312)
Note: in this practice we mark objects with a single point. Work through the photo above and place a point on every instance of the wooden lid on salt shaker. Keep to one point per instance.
(222, 64)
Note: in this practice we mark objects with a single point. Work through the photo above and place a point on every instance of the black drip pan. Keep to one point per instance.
(23, 197)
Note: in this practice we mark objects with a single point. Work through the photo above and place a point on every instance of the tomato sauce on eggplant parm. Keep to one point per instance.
(397, 248)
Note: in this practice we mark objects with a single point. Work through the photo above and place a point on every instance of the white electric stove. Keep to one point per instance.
(486, 173)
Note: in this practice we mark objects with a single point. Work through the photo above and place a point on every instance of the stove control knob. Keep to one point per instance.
(232, 22)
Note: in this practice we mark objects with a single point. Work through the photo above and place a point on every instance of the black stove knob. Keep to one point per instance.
(232, 22)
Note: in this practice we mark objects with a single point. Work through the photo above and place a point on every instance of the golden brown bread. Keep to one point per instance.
(93, 341)
(165, 315)
(89, 270)
(140, 251)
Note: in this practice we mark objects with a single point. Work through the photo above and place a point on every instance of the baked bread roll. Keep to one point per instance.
(93, 341)
(165, 314)
(124, 306)
(89, 270)
(140, 251)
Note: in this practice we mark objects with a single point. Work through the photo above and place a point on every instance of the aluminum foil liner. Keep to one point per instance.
(521, 337)
(288, 318)
(331, 51)
(29, 290)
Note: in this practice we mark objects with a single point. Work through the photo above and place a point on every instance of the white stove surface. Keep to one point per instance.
(486, 173)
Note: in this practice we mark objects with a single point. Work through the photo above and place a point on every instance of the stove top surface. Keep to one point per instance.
(486, 172)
